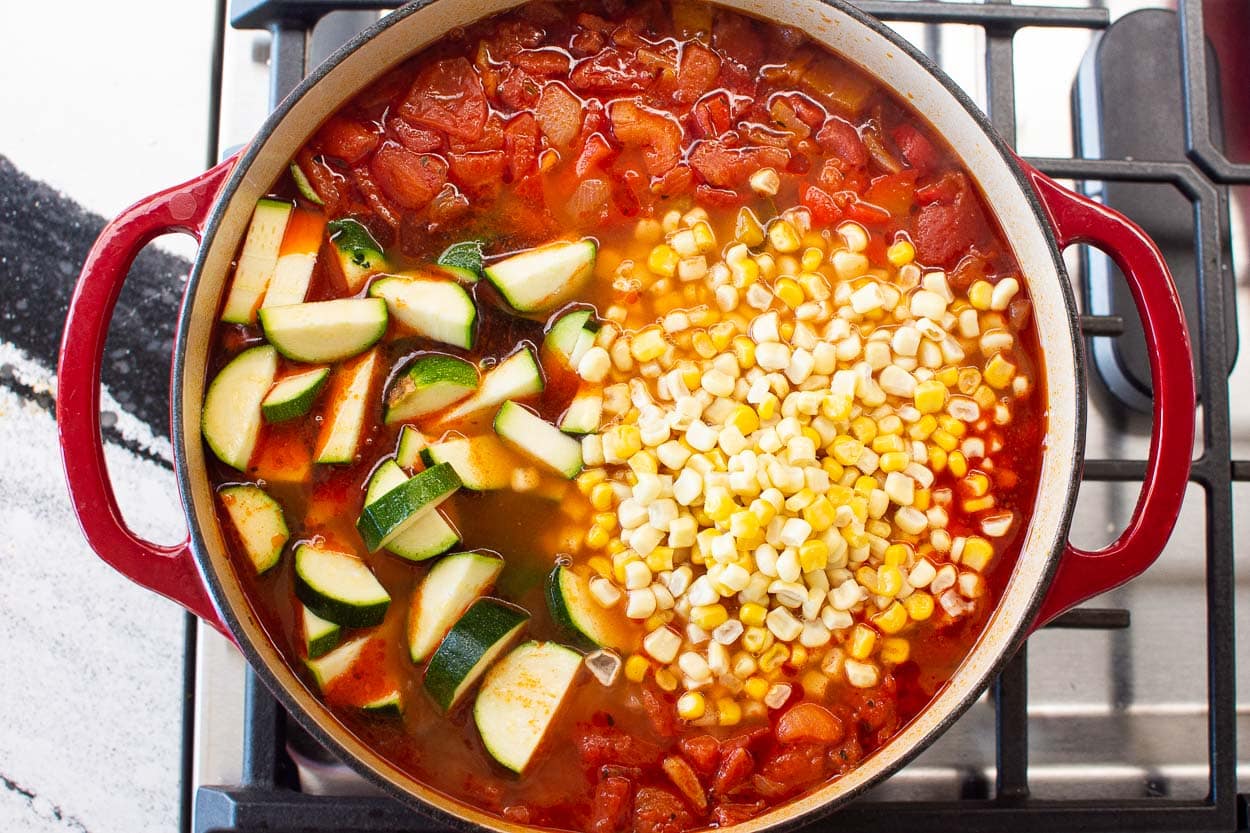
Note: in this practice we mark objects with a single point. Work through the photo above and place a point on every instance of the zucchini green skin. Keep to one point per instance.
(447, 590)
(321, 636)
(303, 185)
(230, 421)
(439, 310)
(545, 277)
(387, 706)
(575, 612)
(390, 514)
(564, 332)
(325, 331)
(359, 254)
(431, 383)
(482, 462)
(463, 260)
(411, 444)
(293, 396)
(428, 536)
(479, 636)
(329, 602)
(515, 377)
(538, 439)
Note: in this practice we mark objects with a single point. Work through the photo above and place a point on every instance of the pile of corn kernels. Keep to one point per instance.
(766, 484)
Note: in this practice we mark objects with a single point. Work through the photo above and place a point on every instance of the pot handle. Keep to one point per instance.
(169, 570)
(1083, 574)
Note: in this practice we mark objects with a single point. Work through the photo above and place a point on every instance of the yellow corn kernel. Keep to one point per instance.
(704, 237)
(636, 668)
(756, 687)
(691, 705)
(985, 397)
(894, 461)
(867, 577)
(900, 253)
(709, 617)
(789, 291)
(747, 228)
(783, 236)
(862, 642)
(977, 553)
(657, 620)
(719, 505)
(752, 614)
(999, 372)
(666, 679)
(643, 463)
(977, 484)
(979, 295)
(660, 559)
(832, 468)
(607, 520)
(948, 376)
(836, 406)
(814, 284)
(600, 565)
(930, 396)
(923, 427)
(897, 555)
(587, 480)
(979, 504)
(744, 352)
(922, 499)
(722, 334)
(969, 380)
(919, 606)
(892, 619)
(663, 260)
(853, 539)
(616, 545)
(865, 484)
(703, 346)
(952, 426)
(886, 442)
(648, 344)
(889, 580)
(597, 537)
(768, 408)
(957, 463)
(773, 658)
(945, 440)
(744, 418)
(601, 497)
(756, 639)
(728, 712)
(813, 555)
(798, 657)
(820, 513)
(937, 459)
(846, 450)
(894, 650)
(864, 429)
(786, 330)
(762, 510)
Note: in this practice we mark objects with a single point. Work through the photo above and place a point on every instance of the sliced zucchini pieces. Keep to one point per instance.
(584, 412)
(452, 584)
(304, 185)
(386, 518)
(257, 261)
(520, 698)
(538, 439)
(320, 635)
(411, 444)
(390, 704)
(331, 666)
(577, 613)
(516, 377)
(429, 536)
(430, 384)
(259, 521)
(437, 309)
(296, 258)
(566, 332)
(463, 261)
(355, 674)
(293, 396)
(543, 278)
(231, 418)
(325, 331)
(487, 629)
(482, 461)
(359, 254)
(345, 417)
(339, 587)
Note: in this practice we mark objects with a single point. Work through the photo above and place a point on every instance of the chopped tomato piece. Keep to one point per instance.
(839, 137)
(514, 35)
(610, 811)
(915, 147)
(657, 810)
(559, 114)
(520, 90)
(790, 770)
(846, 755)
(825, 210)
(893, 192)
(611, 70)
(718, 197)
(734, 770)
(683, 776)
(830, 176)
(478, 170)
(323, 180)
(587, 42)
(601, 745)
(703, 751)
(943, 233)
(521, 143)
(809, 723)
(542, 61)
(711, 116)
(409, 179)
(678, 180)
(375, 198)
(346, 139)
(865, 212)
(658, 134)
(448, 95)
(726, 167)
(948, 186)
(595, 153)
(734, 35)
(416, 139)
(736, 813)
(696, 72)
(661, 710)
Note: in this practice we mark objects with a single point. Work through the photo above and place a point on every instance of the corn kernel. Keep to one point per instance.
(923, 427)
(636, 668)
(862, 642)
(721, 334)
(642, 463)
(798, 657)
(728, 712)
(789, 291)
(597, 537)
(864, 429)
(783, 236)
(919, 606)
(743, 417)
(752, 614)
(892, 619)
(832, 468)
(600, 565)
(969, 380)
(718, 504)
(703, 346)
(885, 442)
(922, 499)
(666, 679)
(616, 546)
(979, 295)
(999, 372)
(747, 228)
(660, 559)
(768, 408)
(709, 617)
(744, 352)
(930, 396)
(894, 461)
(704, 238)
(601, 496)
(756, 639)
(895, 650)
(976, 484)
(648, 344)
(813, 554)
(773, 658)
(865, 484)
(977, 553)
(979, 504)
(945, 440)
(900, 253)
(948, 376)
(691, 705)
(663, 260)
(957, 463)
(889, 580)
(756, 688)
(820, 513)
(952, 426)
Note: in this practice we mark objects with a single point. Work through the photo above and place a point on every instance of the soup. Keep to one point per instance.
(625, 417)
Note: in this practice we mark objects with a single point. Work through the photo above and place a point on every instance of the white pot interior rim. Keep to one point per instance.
(886, 57)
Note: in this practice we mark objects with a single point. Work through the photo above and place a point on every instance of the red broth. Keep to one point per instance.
(492, 135)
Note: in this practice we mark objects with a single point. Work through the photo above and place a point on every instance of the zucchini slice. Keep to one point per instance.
(463, 261)
(543, 278)
(333, 665)
(578, 614)
(437, 309)
(304, 185)
(446, 592)
(361, 668)
(483, 462)
(487, 629)
(429, 536)
(566, 332)
(390, 704)
(230, 421)
(538, 439)
(520, 698)
(516, 377)
(257, 261)
(359, 254)
(320, 635)
(293, 396)
(584, 412)
(345, 417)
(411, 444)
(386, 518)
(259, 521)
(296, 258)
(431, 383)
(339, 587)
(325, 331)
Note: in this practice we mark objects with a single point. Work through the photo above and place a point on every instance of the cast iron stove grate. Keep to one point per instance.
(268, 798)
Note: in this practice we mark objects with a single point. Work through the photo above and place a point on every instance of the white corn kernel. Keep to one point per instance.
(662, 644)
(861, 674)
(1004, 291)
(594, 365)
(604, 592)
(640, 603)
(765, 181)
(783, 624)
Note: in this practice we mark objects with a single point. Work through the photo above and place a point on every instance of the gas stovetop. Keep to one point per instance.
(1122, 716)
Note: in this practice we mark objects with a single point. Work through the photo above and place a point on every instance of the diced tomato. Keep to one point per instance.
(610, 70)
(944, 233)
(846, 755)
(511, 36)
(346, 139)
(661, 710)
(830, 176)
(753, 740)
(521, 143)
(448, 95)
(479, 171)
(377, 201)
(893, 192)
(809, 723)
(876, 710)
(696, 72)
(629, 32)
(609, 813)
(736, 813)
(703, 752)
(596, 154)
(734, 770)
(586, 43)
(790, 769)
(627, 194)
(734, 35)
(677, 181)
(710, 197)
(838, 137)
(409, 179)
(542, 61)
(726, 167)
(657, 134)
(322, 179)
(945, 189)
(601, 745)
(807, 110)
(657, 810)
(519, 90)
(559, 114)
(865, 212)
(710, 115)
(684, 778)
(825, 210)
(416, 139)
(916, 148)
